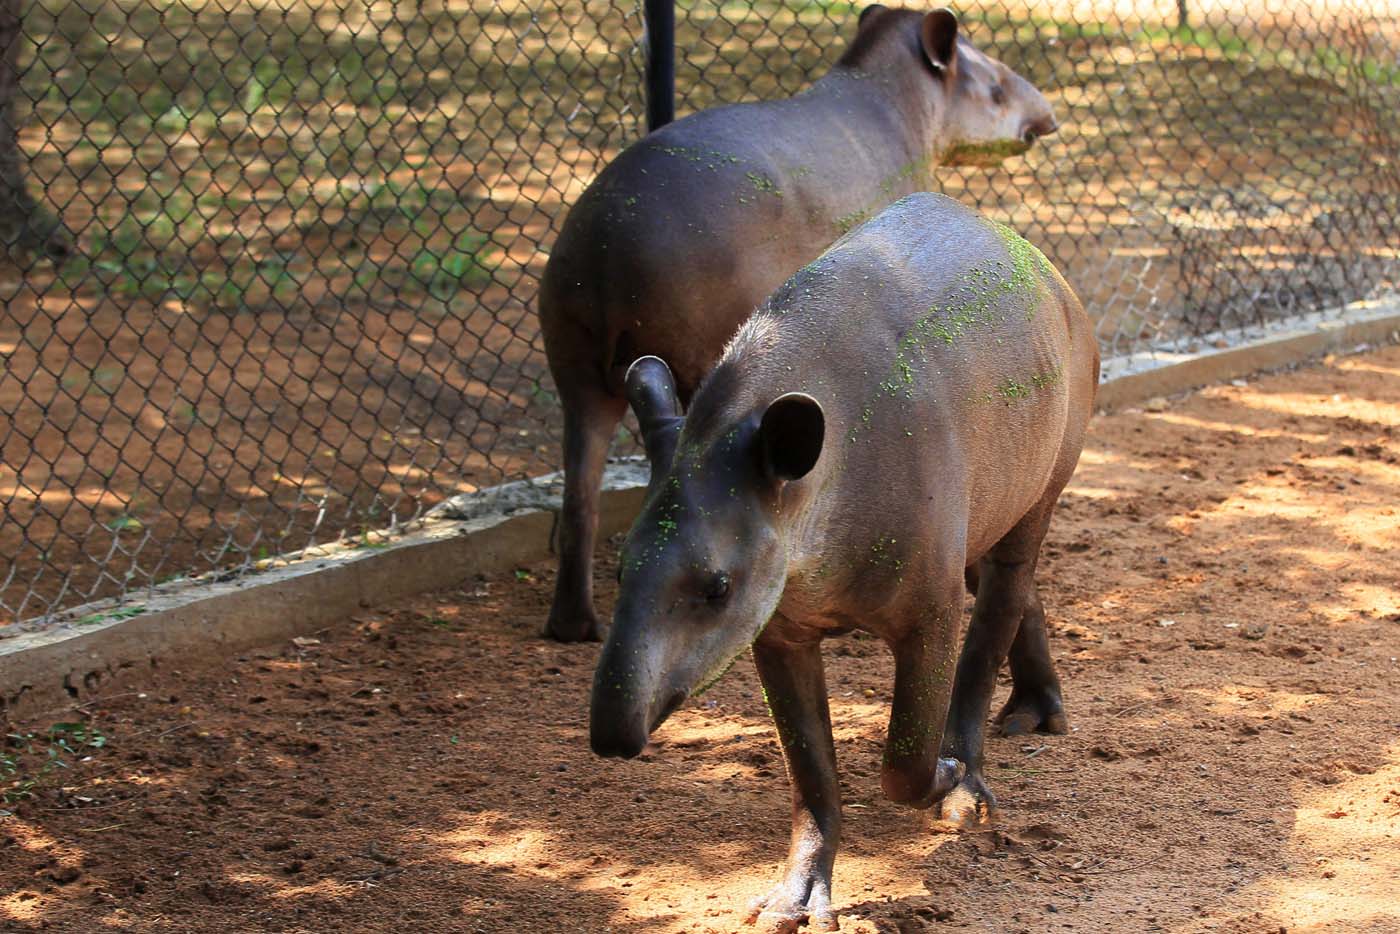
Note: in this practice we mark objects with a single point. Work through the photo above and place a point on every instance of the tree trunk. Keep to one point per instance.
(25, 225)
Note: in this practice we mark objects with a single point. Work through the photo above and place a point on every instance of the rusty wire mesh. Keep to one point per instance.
(271, 264)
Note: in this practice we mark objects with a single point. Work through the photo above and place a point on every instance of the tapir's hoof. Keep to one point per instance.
(970, 806)
(1024, 713)
(573, 628)
(780, 912)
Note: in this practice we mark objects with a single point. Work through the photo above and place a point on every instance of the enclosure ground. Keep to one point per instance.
(1221, 584)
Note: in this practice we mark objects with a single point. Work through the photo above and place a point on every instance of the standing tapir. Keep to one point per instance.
(682, 236)
(899, 416)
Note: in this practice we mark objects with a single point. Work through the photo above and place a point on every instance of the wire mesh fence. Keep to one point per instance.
(270, 267)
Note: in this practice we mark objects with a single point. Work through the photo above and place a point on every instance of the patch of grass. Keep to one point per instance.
(126, 523)
(237, 120)
(540, 393)
(365, 541)
(442, 274)
(27, 759)
(1217, 38)
(111, 616)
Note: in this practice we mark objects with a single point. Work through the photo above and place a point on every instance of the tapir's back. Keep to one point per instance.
(689, 229)
(954, 363)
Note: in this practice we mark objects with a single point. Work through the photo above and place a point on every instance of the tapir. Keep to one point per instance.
(897, 419)
(682, 236)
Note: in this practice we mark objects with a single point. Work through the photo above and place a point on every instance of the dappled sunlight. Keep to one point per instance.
(1306, 405)
(1382, 600)
(1093, 456)
(1084, 491)
(21, 906)
(1219, 603)
(61, 860)
(1366, 365)
(691, 727)
(1343, 856)
(482, 846)
(1267, 500)
(35, 839)
(281, 888)
(1243, 429)
(1350, 832)
(1253, 701)
(1109, 462)
(497, 842)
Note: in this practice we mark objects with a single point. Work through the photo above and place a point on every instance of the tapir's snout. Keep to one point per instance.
(621, 730)
(1033, 130)
(617, 739)
(632, 693)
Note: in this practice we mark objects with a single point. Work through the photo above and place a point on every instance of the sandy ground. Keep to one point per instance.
(1221, 586)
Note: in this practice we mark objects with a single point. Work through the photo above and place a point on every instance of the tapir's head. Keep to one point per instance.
(704, 565)
(983, 111)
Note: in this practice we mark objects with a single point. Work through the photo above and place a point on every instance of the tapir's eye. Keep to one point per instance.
(998, 95)
(716, 587)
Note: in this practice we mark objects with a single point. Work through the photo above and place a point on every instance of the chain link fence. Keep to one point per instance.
(270, 265)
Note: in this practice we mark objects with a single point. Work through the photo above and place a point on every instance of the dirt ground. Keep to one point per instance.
(1221, 585)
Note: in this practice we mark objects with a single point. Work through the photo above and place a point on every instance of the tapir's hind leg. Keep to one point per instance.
(1035, 704)
(590, 418)
(1006, 599)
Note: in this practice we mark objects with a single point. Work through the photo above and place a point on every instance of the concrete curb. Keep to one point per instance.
(67, 662)
(1132, 379)
(490, 532)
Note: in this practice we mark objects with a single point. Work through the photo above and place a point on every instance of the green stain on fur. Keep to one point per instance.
(763, 184)
(913, 175)
(847, 222)
(710, 159)
(1011, 390)
(982, 298)
(1028, 265)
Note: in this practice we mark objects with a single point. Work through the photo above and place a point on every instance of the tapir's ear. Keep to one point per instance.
(868, 12)
(939, 35)
(790, 436)
(651, 391)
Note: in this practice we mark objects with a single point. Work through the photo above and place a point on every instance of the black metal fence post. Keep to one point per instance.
(661, 62)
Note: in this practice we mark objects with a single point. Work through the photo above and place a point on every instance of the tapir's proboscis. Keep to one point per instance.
(897, 419)
(687, 231)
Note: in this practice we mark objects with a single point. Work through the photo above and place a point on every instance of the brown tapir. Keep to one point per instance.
(681, 237)
(899, 416)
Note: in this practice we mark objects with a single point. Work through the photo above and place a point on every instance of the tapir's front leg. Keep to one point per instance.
(913, 774)
(795, 687)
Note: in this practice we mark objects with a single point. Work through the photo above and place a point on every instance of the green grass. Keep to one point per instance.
(28, 759)
(144, 252)
(93, 619)
(206, 138)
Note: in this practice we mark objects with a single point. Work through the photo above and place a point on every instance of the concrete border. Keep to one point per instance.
(1137, 377)
(95, 645)
(489, 532)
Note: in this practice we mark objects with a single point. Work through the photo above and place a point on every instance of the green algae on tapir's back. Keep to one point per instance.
(1012, 390)
(981, 298)
(1028, 264)
(762, 183)
(711, 159)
